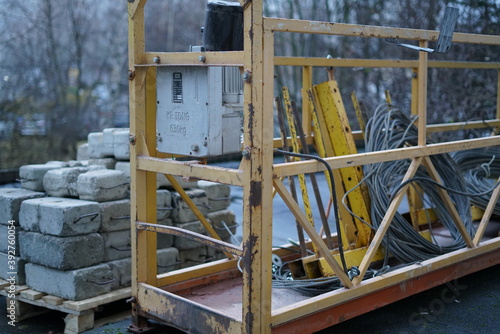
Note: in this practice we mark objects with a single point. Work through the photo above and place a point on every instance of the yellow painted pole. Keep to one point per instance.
(257, 172)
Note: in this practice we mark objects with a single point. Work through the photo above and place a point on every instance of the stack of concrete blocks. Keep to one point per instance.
(73, 219)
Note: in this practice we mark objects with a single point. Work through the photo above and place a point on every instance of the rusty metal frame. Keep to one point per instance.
(157, 296)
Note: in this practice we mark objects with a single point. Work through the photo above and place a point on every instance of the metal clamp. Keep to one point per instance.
(93, 215)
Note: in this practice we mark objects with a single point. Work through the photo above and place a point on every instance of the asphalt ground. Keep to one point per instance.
(469, 305)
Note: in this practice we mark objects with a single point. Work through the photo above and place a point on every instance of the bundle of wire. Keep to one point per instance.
(388, 129)
(481, 168)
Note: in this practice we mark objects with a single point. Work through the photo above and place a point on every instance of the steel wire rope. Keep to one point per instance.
(390, 128)
(481, 168)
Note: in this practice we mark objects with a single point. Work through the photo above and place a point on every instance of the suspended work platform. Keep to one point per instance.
(236, 295)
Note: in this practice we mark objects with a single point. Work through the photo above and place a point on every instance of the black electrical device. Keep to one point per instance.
(223, 29)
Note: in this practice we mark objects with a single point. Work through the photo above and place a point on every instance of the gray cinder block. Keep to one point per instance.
(167, 259)
(183, 243)
(219, 218)
(29, 215)
(115, 215)
(32, 176)
(163, 204)
(57, 163)
(122, 273)
(68, 217)
(18, 271)
(121, 144)
(164, 240)
(63, 253)
(82, 152)
(193, 257)
(73, 284)
(182, 213)
(96, 147)
(102, 185)
(219, 195)
(10, 203)
(108, 163)
(116, 245)
(61, 182)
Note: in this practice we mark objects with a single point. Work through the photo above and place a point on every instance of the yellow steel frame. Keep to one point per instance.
(153, 295)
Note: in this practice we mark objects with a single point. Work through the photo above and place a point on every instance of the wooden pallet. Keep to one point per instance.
(80, 314)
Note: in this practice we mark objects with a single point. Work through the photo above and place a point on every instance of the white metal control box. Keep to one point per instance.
(199, 110)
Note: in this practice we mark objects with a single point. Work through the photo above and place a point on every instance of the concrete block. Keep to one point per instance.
(32, 176)
(60, 164)
(19, 268)
(102, 185)
(193, 257)
(29, 216)
(68, 217)
(97, 146)
(61, 182)
(219, 195)
(219, 218)
(182, 213)
(122, 273)
(116, 245)
(9, 236)
(183, 243)
(73, 284)
(83, 152)
(77, 163)
(115, 215)
(10, 203)
(121, 144)
(108, 163)
(163, 204)
(167, 259)
(63, 253)
(164, 240)
(108, 140)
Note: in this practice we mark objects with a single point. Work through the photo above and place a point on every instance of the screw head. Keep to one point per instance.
(194, 148)
(156, 60)
(202, 58)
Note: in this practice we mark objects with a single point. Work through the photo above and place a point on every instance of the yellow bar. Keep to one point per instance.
(228, 58)
(190, 169)
(344, 29)
(380, 63)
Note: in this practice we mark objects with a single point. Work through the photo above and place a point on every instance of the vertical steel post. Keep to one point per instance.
(142, 184)
(257, 168)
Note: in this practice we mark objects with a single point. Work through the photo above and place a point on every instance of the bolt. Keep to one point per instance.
(194, 148)
(247, 76)
(131, 138)
(159, 138)
(131, 74)
(202, 58)
(156, 60)
(246, 152)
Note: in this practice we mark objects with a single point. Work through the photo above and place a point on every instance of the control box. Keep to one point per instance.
(199, 110)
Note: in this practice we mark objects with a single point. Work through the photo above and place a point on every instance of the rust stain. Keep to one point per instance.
(256, 193)
(248, 257)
